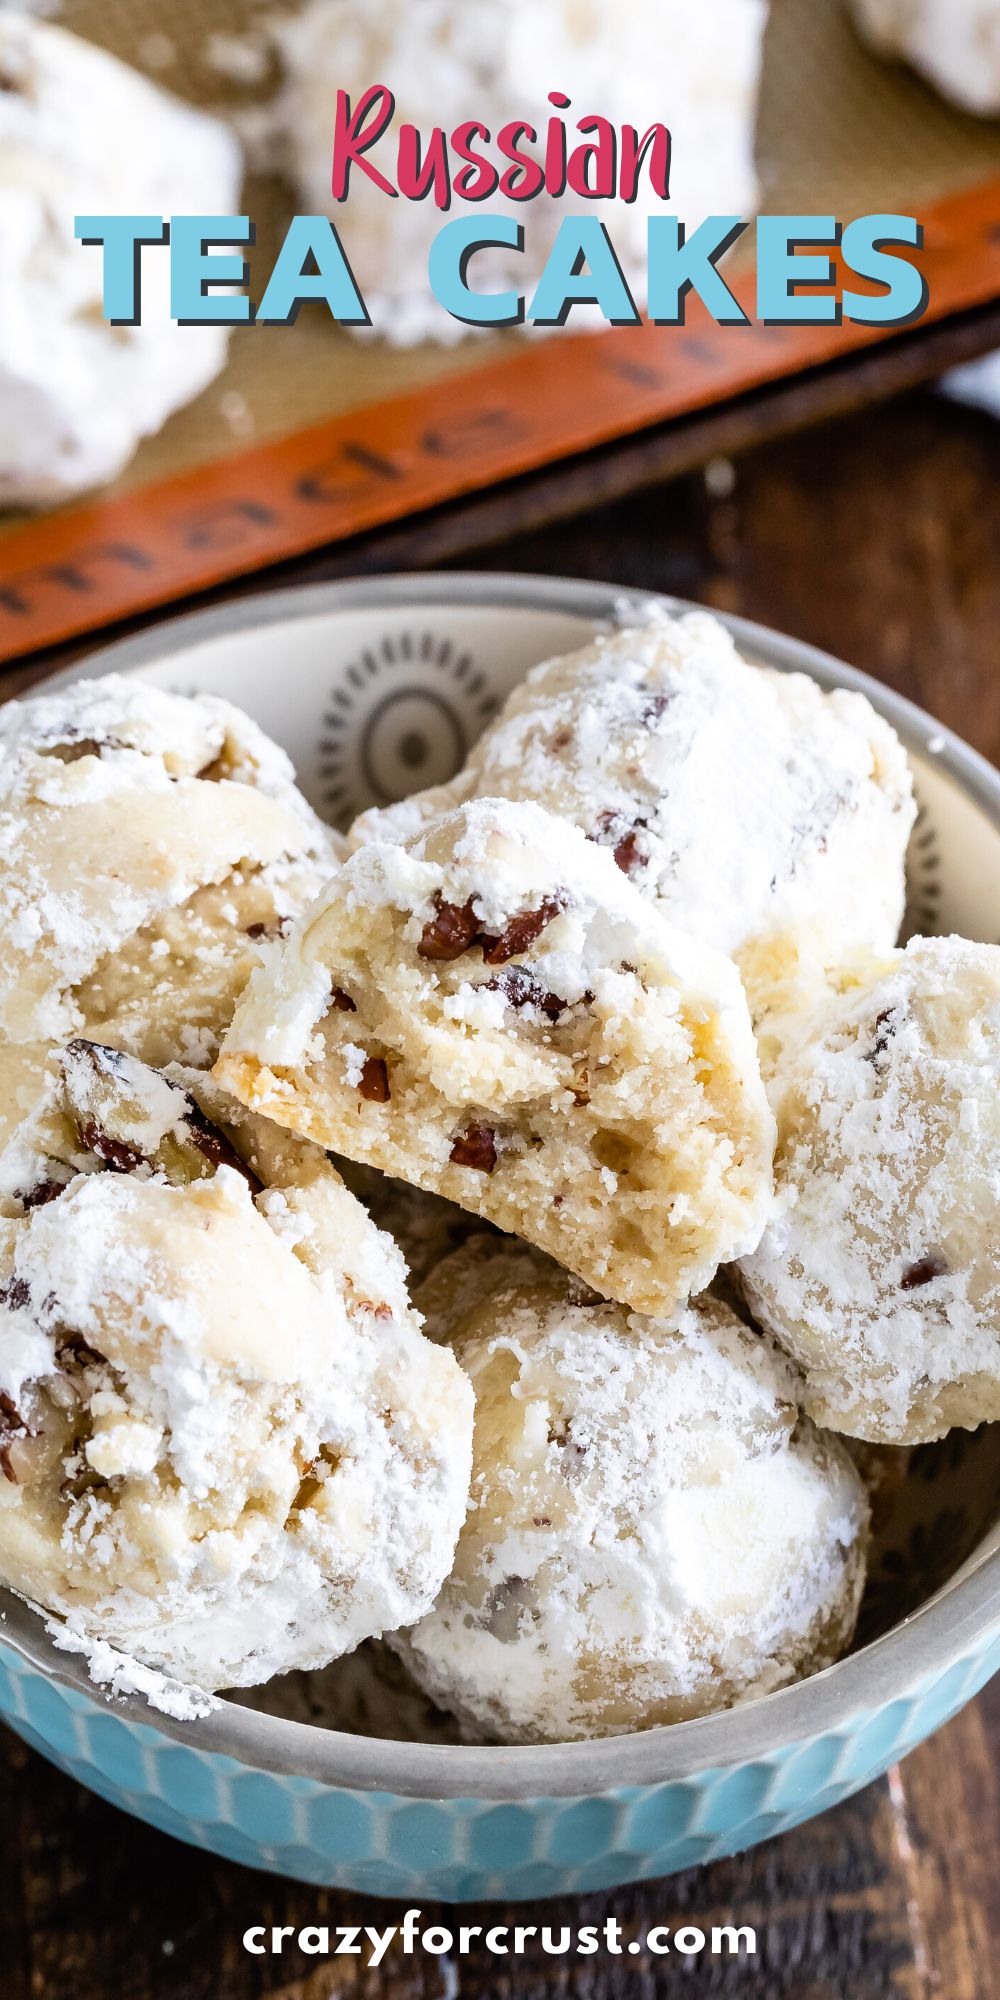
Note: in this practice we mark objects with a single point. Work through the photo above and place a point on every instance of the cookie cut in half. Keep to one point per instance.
(494, 1013)
(762, 815)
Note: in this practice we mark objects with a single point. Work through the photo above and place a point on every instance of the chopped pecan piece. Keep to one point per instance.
(455, 928)
(118, 1154)
(42, 1193)
(475, 1147)
(374, 1081)
(97, 1056)
(81, 1479)
(15, 1294)
(73, 1352)
(560, 1432)
(452, 929)
(106, 1091)
(923, 1272)
(96, 1081)
(522, 931)
(70, 752)
(613, 831)
(628, 853)
(521, 989)
(216, 1148)
(278, 927)
(656, 706)
(886, 1024)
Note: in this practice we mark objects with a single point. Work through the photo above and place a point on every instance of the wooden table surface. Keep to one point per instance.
(877, 538)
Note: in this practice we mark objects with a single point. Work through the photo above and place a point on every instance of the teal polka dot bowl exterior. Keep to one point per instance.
(378, 687)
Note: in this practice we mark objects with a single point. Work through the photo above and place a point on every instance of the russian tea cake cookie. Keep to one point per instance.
(81, 134)
(654, 1532)
(954, 43)
(763, 816)
(151, 844)
(493, 1013)
(879, 1270)
(226, 1449)
(496, 60)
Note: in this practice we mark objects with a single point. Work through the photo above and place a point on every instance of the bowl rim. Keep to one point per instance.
(953, 1625)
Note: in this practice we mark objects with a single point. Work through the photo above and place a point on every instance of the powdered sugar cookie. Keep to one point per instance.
(654, 1532)
(763, 816)
(150, 843)
(495, 1014)
(878, 1271)
(226, 1449)
(954, 43)
(82, 134)
(497, 60)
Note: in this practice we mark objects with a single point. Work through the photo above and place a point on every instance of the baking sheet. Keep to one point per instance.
(838, 132)
(312, 437)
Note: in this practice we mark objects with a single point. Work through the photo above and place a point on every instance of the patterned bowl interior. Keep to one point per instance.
(376, 699)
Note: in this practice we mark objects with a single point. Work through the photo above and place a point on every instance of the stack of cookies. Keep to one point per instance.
(696, 1174)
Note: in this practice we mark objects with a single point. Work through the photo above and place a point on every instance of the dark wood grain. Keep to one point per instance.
(890, 1895)
(876, 537)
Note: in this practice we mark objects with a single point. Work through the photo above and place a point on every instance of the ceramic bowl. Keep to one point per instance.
(376, 688)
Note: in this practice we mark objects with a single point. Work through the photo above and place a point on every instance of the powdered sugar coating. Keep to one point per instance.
(496, 60)
(82, 134)
(954, 43)
(149, 844)
(763, 816)
(227, 1450)
(879, 1270)
(653, 1533)
(495, 1014)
